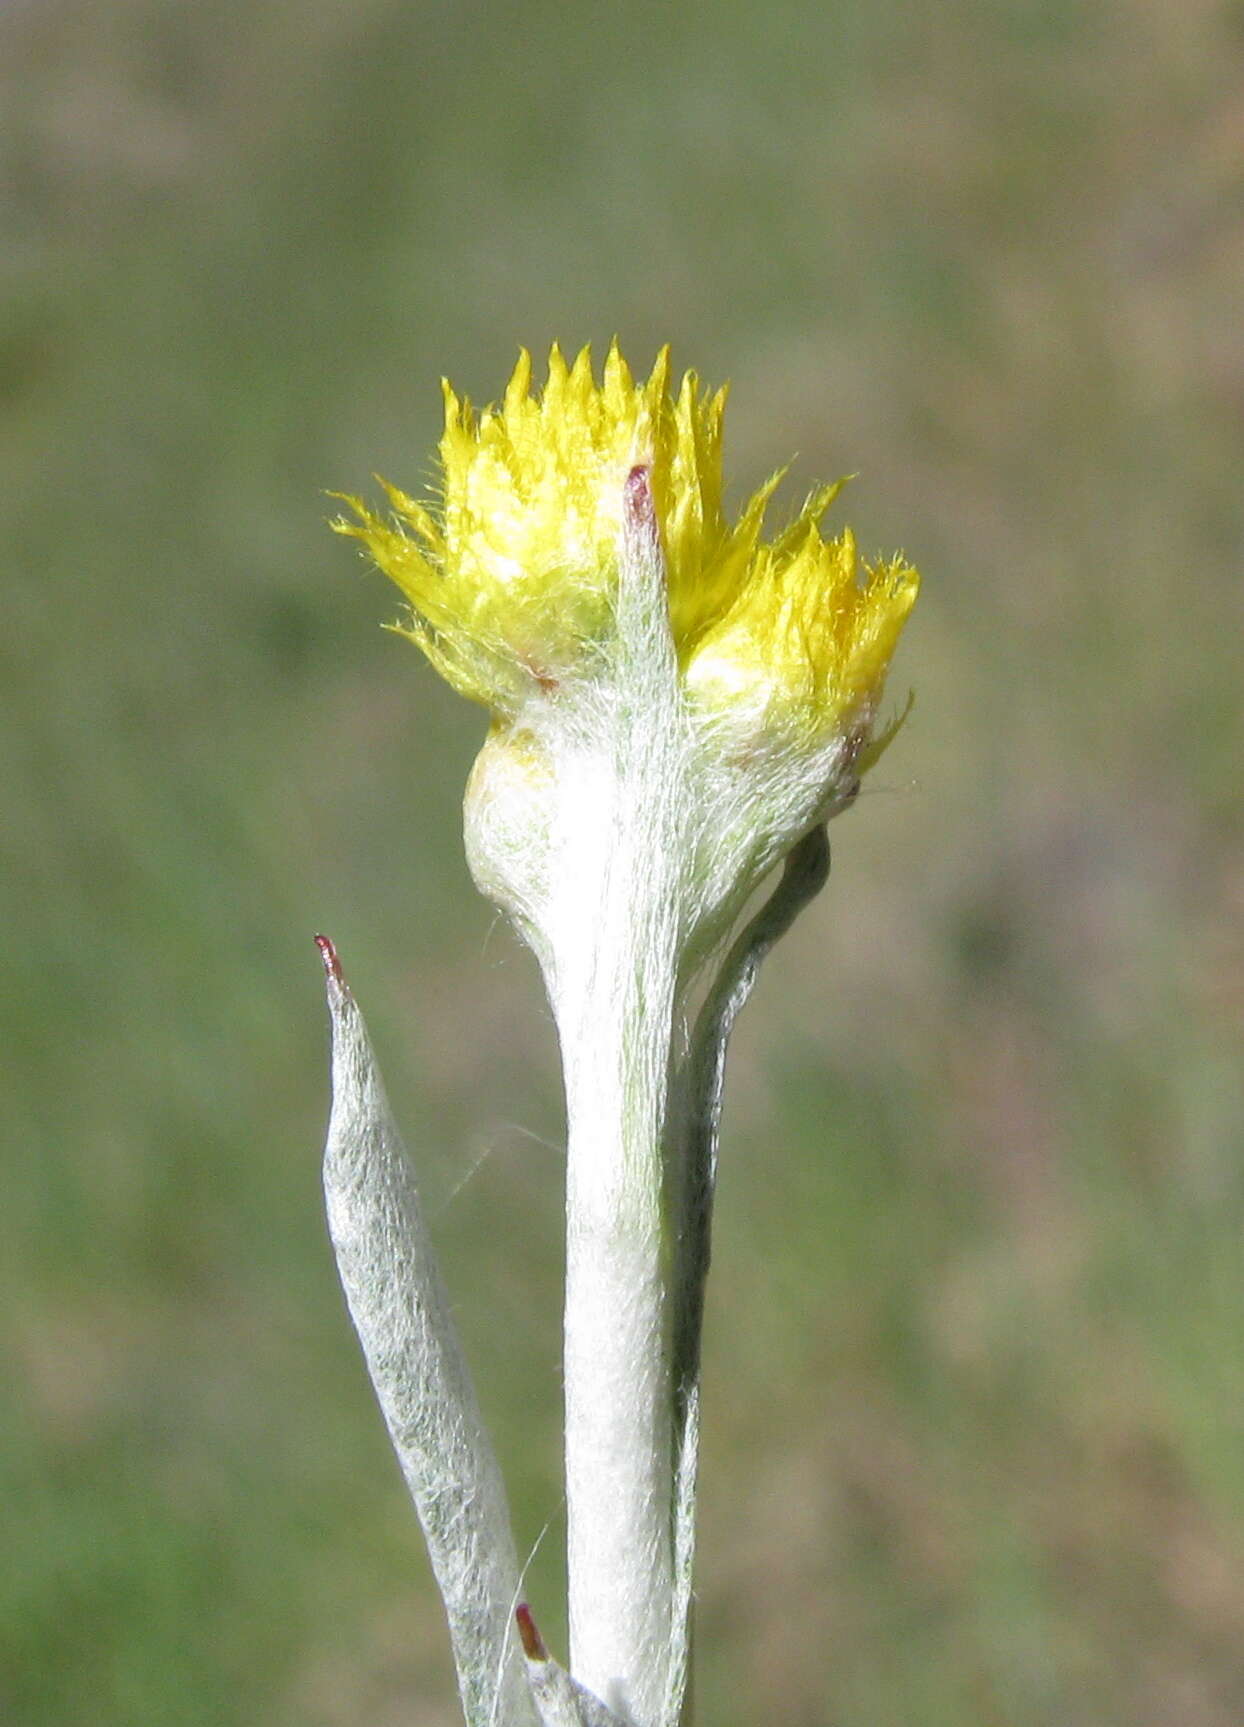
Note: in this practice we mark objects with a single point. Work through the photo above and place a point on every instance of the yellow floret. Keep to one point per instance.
(511, 574)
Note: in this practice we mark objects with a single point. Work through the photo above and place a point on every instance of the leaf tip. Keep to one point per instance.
(529, 1636)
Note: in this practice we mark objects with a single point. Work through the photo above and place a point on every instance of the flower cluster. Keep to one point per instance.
(512, 574)
(578, 566)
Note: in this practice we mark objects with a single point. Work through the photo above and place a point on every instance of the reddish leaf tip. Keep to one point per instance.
(532, 1642)
(639, 505)
(332, 964)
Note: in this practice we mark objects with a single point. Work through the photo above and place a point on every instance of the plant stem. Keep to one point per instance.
(613, 987)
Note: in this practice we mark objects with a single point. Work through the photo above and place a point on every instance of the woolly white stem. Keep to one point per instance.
(612, 986)
(617, 1374)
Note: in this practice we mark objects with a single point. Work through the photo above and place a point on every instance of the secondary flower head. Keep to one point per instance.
(512, 572)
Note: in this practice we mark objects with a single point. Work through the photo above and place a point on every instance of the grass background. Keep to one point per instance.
(975, 1403)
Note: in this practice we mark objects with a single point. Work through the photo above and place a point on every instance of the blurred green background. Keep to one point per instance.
(974, 1394)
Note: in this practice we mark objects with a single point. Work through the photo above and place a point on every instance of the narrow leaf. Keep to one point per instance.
(697, 1119)
(401, 1313)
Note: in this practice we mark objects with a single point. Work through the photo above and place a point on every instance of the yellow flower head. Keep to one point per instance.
(512, 572)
